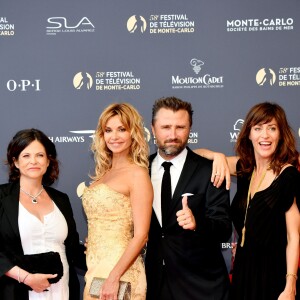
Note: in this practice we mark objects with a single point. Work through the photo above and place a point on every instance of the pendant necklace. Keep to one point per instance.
(248, 201)
(33, 198)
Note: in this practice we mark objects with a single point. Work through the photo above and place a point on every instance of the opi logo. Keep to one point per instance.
(24, 85)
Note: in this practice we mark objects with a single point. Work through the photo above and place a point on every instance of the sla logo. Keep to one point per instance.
(58, 25)
(82, 80)
(265, 76)
(237, 128)
(23, 85)
(61, 22)
(136, 24)
(196, 64)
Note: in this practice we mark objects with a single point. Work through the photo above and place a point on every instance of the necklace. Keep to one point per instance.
(33, 198)
(248, 201)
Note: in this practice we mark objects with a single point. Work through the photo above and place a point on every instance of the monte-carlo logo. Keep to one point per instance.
(82, 81)
(106, 80)
(265, 76)
(281, 77)
(136, 24)
(161, 24)
(260, 24)
(6, 27)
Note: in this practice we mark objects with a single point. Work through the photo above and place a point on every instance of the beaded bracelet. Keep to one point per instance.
(291, 274)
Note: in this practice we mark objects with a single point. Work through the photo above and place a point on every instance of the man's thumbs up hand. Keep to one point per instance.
(185, 217)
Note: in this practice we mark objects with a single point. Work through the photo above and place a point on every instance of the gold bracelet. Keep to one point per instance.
(291, 274)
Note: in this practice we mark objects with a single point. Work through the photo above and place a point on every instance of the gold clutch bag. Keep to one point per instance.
(124, 289)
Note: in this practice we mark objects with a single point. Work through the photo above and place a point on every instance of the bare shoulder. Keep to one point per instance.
(137, 174)
(139, 171)
(140, 184)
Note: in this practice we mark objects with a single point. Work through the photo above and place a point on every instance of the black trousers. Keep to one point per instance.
(165, 292)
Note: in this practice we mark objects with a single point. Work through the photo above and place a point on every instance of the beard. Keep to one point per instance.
(171, 150)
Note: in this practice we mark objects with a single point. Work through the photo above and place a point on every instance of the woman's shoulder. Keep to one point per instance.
(289, 171)
(7, 188)
(136, 171)
(137, 175)
(288, 182)
(289, 176)
(139, 182)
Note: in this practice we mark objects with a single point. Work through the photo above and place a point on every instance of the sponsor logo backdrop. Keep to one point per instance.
(63, 62)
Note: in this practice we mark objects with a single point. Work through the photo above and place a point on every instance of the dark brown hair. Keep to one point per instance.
(19, 142)
(285, 152)
(174, 104)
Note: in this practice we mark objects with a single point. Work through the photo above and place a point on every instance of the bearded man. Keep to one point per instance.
(190, 215)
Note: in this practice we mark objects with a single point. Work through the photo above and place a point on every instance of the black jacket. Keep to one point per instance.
(194, 265)
(11, 247)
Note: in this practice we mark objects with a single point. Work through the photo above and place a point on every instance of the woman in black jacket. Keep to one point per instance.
(35, 218)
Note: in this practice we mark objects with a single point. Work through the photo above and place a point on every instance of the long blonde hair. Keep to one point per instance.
(133, 122)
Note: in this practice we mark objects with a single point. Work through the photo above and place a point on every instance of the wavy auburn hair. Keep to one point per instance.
(133, 122)
(285, 152)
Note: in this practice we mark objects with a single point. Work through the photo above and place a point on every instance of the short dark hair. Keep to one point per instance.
(173, 103)
(20, 141)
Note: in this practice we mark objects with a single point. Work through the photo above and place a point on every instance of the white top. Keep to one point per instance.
(38, 237)
(157, 171)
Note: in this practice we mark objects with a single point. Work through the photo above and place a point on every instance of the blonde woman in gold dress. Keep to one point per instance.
(118, 203)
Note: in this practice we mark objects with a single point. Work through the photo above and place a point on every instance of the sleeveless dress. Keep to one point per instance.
(38, 237)
(260, 266)
(110, 229)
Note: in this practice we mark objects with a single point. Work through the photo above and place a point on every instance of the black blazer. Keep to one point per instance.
(194, 264)
(11, 247)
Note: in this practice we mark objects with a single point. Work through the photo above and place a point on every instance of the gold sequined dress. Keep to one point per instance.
(110, 229)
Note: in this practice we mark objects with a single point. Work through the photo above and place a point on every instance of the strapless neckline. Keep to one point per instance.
(107, 187)
(110, 230)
